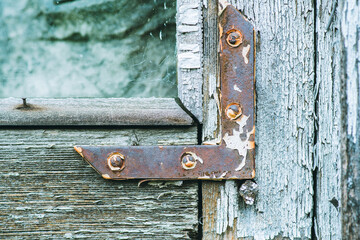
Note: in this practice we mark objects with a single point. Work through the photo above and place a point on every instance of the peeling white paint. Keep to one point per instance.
(223, 174)
(189, 54)
(267, 219)
(350, 22)
(187, 29)
(234, 141)
(215, 141)
(204, 177)
(197, 158)
(222, 6)
(245, 52)
(189, 47)
(189, 60)
(236, 88)
(205, 3)
(106, 176)
(226, 211)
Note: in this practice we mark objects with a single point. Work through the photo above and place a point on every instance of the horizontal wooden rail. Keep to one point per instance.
(86, 111)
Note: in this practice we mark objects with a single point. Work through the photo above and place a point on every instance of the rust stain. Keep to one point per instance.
(79, 150)
(116, 161)
(232, 155)
(234, 37)
(28, 107)
(189, 160)
(233, 111)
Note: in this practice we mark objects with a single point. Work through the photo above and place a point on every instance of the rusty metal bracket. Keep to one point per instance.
(233, 157)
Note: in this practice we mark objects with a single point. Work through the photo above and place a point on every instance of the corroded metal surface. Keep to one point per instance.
(233, 157)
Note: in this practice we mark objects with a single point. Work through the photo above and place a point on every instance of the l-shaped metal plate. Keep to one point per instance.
(233, 157)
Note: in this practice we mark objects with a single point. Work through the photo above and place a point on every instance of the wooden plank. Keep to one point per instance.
(211, 190)
(48, 191)
(284, 131)
(189, 55)
(94, 111)
(350, 106)
(327, 162)
(211, 71)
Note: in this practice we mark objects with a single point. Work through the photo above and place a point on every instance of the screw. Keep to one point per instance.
(233, 111)
(116, 161)
(188, 160)
(234, 38)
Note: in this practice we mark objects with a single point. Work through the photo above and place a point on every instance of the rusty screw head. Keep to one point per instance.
(234, 37)
(233, 111)
(188, 160)
(116, 161)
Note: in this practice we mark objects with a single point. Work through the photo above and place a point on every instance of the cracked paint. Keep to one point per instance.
(245, 52)
(235, 142)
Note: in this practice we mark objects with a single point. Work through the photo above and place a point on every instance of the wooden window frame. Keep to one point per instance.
(128, 111)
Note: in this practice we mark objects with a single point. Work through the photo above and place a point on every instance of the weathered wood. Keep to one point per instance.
(92, 112)
(327, 161)
(350, 106)
(284, 131)
(211, 190)
(48, 191)
(189, 55)
(211, 71)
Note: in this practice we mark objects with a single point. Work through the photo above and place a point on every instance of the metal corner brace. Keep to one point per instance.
(233, 158)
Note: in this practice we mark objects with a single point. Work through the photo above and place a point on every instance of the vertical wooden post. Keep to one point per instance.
(284, 129)
(327, 160)
(350, 105)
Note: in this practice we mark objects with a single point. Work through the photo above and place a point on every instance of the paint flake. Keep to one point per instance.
(245, 52)
(234, 141)
(236, 88)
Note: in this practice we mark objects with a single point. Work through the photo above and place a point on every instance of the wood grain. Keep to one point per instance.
(350, 106)
(211, 71)
(92, 112)
(48, 191)
(189, 55)
(284, 131)
(327, 160)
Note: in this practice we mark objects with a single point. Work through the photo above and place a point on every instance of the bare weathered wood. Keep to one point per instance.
(211, 190)
(350, 106)
(284, 131)
(189, 55)
(92, 112)
(327, 161)
(48, 191)
(211, 71)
